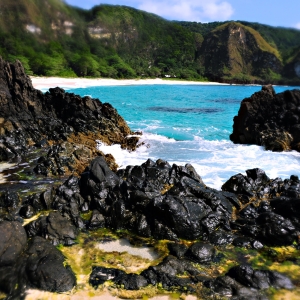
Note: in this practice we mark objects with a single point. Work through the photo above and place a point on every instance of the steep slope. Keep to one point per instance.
(54, 39)
(235, 51)
(148, 43)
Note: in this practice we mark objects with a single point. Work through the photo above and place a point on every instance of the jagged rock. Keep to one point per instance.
(269, 119)
(29, 118)
(228, 287)
(55, 228)
(243, 282)
(259, 279)
(177, 250)
(166, 273)
(221, 238)
(156, 199)
(9, 200)
(27, 211)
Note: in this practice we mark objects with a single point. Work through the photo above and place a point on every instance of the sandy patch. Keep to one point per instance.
(82, 295)
(43, 83)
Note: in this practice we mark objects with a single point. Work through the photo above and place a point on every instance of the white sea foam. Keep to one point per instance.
(215, 161)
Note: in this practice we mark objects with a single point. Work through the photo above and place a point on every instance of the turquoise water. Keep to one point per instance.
(191, 124)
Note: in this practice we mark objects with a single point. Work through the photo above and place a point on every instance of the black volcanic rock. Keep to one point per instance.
(155, 199)
(201, 252)
(45, 268)
(55, 228)
(269, 119)
(243, 282)
(259, 279)
(13, 240)
(30, 118)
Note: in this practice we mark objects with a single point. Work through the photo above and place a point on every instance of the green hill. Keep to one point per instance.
(235, 51)
(54, 39)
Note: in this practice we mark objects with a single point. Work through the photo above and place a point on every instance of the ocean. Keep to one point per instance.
(191, 124)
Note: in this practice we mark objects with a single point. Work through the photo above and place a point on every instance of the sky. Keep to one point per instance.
(284, 13)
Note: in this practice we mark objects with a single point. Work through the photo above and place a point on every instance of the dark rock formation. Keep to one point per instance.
(259, 279)
(55, 228)
(243, 282)
(40, 266)
(13, 240)
(45, 268)
(240, 282)
(201, 252)
(162, 201)
(29, 118)
(168, 273)
(269, 119)
(156, 199)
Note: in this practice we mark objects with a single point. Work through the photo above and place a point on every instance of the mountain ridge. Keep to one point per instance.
(52, 38)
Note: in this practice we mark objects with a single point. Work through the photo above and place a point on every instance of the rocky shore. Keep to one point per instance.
(270, 120)
(242, 242)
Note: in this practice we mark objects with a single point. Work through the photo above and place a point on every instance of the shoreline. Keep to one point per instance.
(50, 82)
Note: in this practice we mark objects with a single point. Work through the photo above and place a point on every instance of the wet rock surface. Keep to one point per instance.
(162, 201)
(53, 135)
(68, 123)
(269, 119)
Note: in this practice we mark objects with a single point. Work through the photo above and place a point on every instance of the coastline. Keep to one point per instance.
(50, 82)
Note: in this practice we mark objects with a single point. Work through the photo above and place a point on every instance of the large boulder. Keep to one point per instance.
(269, 119)
(45, 267)
(13, 239)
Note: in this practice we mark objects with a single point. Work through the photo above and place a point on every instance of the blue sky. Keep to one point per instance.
(272, 12)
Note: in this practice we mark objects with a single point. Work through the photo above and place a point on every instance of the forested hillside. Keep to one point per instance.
(53, 39)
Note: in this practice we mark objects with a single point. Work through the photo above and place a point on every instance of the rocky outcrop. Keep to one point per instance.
(29, 118)
(153, 200)
(239, 53)
(269, 119)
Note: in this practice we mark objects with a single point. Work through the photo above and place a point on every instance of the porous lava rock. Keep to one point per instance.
(269, 119)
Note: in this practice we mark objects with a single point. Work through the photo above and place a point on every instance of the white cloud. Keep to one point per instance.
(297, 25)
(189, 10)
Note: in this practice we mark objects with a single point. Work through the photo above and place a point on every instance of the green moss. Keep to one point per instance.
(86, 216)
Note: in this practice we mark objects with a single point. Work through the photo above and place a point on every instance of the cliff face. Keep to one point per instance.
(30, 118)
(292, 67)
(269, 119)
(235, 50)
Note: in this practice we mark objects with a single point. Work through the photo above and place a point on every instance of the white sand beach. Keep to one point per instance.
(50, 82)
